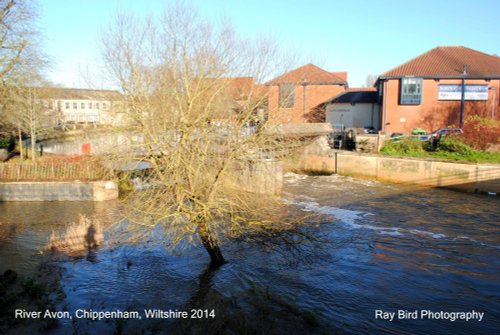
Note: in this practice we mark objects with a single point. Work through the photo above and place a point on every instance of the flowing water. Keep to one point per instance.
(383, 247)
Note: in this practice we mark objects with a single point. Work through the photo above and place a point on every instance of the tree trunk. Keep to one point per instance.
(20, 134)
(210, 244)
(33, 144)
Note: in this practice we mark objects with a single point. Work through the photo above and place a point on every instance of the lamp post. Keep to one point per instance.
(462, 104)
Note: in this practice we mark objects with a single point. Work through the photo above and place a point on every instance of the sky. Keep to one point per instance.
(360, 37)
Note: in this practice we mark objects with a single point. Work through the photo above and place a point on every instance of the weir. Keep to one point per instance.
(256, 172)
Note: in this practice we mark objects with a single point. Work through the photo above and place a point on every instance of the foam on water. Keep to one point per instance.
(359, 220)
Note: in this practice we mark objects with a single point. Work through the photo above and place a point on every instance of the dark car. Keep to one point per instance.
(446, 131)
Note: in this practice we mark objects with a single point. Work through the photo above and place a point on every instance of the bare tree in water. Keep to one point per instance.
(190, 95)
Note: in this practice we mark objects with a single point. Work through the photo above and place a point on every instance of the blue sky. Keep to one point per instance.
(360, 37)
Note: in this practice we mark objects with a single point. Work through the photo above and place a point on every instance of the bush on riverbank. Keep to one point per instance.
(31, 294)
(480, 133)
(451, 148)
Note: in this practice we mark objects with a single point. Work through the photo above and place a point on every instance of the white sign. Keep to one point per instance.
(454, 92)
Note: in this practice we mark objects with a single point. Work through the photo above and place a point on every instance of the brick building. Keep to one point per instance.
(426, 91)
(293, 96)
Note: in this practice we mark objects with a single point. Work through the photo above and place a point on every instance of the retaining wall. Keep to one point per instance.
(471, 177)
(59, 191)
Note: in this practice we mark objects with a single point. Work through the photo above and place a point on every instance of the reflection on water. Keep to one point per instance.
(25, 228)
(395, 247)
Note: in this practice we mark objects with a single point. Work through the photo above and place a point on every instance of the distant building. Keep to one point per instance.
(356, 108)
(84, 106)
(294, 96)
(241, 94)
(425, 92)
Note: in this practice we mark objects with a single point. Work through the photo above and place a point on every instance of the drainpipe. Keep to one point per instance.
(373, 110)
(304, 83)
(462, 104)
(384, 103)
(493, 102)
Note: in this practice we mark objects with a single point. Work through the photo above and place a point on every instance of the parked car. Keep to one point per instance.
(445, 132)
(421, 136)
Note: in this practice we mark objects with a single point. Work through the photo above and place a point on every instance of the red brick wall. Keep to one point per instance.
(432, 113)
(315, 94)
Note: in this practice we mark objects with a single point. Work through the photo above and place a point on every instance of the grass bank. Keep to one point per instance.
(448, 149)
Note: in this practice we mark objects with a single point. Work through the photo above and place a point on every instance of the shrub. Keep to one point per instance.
(480, 132)
(406, 145)
(454, 145)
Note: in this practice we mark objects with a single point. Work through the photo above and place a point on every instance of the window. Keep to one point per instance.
(67, 104)
(97, 105)
(286, 95)
(82, 105)
(411, 91)
(90, 105)
(75, 105)
(104, 105)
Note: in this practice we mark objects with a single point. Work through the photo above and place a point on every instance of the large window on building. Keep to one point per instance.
(411, 91)
(287, 95)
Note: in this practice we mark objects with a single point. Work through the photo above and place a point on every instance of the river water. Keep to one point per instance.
(383, 247)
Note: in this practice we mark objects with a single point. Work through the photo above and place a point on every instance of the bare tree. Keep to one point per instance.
(31, 114)
(21, 65)
(371, 79)
(182, 78)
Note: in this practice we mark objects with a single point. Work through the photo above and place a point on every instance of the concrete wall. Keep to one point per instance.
(99, 143)
(460, 176)
(432, 113)
(317, 157)
(264, 176)
(59, 191)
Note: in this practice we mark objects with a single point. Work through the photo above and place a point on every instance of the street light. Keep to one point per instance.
(462, 100)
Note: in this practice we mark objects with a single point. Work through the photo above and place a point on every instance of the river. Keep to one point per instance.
(384, 248)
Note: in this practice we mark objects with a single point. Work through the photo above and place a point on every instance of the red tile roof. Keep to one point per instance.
(239, 87)
(449, 61)
(311, 74)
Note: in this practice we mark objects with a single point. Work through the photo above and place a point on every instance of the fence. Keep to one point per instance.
(84, 170)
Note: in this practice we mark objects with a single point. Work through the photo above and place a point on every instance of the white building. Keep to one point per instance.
(356, 108)
(75, 106)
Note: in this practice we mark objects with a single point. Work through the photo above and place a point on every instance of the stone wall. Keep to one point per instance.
(59, 191)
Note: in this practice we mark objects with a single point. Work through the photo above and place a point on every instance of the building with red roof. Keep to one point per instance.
(293, 96)
(426, 91)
